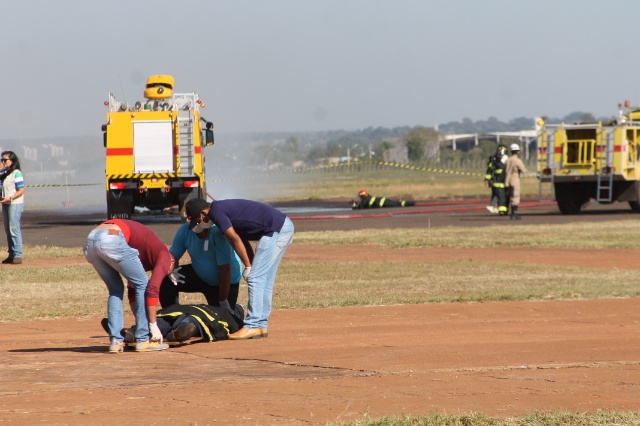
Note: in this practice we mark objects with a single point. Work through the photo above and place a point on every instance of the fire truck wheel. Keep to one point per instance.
(571, 197)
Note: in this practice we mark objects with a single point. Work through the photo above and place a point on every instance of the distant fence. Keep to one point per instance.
(472, 168)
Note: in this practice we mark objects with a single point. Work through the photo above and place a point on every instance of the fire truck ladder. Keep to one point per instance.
(547, 161)
(604, 165)
(185, 137)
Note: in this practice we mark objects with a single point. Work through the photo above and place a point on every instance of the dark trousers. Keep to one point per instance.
(503, 200)
(494, 196)
(398, 203)
(166, 326)
(170, 293)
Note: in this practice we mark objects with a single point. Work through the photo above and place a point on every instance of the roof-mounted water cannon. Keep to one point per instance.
(159, 87)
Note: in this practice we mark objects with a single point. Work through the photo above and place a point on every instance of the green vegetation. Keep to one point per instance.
(537, 418)
(579, 235)
(49, 252)
(348, 283)
(344, 182)
(582, 235)
(77, 291)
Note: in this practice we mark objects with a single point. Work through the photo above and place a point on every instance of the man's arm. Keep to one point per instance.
(162, 267)
(521, 166)
(151, 313)
(224, 281)
(240, 246)
(178, 246)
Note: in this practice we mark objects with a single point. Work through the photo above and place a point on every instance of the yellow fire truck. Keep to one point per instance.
(592, 161)
(154, 149)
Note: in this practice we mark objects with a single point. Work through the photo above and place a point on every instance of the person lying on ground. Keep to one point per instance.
(179, 323)
(370, 202)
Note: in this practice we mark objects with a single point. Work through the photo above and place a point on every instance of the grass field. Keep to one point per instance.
(344, 183)
(533, 419)
(76, 291)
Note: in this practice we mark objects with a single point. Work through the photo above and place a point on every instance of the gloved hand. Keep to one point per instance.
(225, 304)
(176, 277)
(154, 331)
(246, 272)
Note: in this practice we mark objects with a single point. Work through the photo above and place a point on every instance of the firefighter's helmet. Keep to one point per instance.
(502, 150)
(363, 193)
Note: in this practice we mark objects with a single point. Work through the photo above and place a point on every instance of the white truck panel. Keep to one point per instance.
(153, 147)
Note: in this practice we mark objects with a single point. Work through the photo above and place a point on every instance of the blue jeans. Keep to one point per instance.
(269, 252)
(11, 214)
(111, 256)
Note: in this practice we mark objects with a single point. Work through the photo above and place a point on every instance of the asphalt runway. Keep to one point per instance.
(69, 227)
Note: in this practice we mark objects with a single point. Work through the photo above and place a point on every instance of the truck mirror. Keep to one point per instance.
(208, 139)
(104, 135)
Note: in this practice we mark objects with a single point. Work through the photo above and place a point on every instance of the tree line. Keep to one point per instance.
(268, 150)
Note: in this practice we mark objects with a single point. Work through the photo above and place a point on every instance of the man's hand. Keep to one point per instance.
(176, 277)
(156, 336)
(246, 272)
(225, 304)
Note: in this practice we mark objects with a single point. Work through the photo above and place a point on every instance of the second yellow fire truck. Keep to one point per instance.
(155, 149)
(592, 161)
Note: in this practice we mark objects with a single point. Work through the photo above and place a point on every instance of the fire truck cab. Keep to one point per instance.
(154, 149)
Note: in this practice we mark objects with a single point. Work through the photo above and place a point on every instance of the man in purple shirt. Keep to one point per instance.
(242, 221)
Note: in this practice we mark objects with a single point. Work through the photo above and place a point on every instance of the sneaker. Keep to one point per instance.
(150, 346)
(16, 261)
(184, 332)
(238, 311)
(8, 260)
(116, 347)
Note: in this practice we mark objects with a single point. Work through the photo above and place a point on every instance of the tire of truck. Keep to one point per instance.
(570, 198)
(635, 204)
(120, 204)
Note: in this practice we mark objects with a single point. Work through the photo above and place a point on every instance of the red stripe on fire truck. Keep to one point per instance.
(119, 151)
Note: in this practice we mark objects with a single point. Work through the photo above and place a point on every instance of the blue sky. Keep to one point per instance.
(293, 65)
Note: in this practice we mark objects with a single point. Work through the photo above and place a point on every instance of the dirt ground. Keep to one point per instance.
(323, 366)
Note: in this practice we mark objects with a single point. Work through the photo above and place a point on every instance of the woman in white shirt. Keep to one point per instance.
(12, 205)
